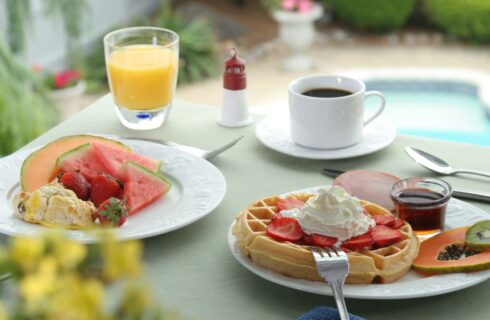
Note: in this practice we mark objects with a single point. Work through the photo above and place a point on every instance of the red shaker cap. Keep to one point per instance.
(234, 77)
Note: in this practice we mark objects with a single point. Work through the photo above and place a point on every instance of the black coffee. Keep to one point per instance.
(327, 93)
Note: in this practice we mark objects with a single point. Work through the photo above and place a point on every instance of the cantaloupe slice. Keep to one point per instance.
(40, 167)
(427, 259)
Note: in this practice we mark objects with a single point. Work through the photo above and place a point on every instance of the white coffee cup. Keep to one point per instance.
(329, 122)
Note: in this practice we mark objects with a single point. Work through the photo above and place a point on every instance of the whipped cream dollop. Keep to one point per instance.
(332, 212)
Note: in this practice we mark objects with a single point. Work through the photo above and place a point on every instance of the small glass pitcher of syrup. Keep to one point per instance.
(422, 202)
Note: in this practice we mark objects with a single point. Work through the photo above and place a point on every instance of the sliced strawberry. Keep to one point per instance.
(285, 229)
(384, 236)
(276, 216)
(364, 241)
(322, 241)
(384, 219)
(398, 223)
(307, 239)
(289, 203)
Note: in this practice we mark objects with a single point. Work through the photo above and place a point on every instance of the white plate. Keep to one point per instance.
(412, 285)
(197, 188)
(273, 132)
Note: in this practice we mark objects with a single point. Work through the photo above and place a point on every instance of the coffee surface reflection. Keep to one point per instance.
(326, 93)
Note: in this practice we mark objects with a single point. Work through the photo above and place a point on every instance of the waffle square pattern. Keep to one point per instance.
(382, 265)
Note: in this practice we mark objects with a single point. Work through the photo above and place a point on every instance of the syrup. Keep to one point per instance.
(424, 209)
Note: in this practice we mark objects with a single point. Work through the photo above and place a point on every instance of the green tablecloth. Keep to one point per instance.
(192, 270)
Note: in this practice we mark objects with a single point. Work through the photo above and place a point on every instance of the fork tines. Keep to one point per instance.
(328, 252)
(333, 266)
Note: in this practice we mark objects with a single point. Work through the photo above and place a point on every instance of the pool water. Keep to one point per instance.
(448, 111)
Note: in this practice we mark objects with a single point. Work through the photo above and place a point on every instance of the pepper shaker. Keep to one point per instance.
(234, 111)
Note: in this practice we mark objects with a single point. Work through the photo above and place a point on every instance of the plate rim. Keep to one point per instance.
(320, 153)
(324, 289)
(87, 237)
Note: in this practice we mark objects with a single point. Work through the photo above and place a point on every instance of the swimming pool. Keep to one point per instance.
(436, 108)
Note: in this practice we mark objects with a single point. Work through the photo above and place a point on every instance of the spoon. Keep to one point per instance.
(438, 165)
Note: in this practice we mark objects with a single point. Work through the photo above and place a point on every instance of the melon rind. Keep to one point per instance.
(114, 161)
(427, 262)
(70, 153)
(39, 168)
(147, 171)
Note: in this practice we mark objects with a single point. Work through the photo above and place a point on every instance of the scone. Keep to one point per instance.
(53, 205)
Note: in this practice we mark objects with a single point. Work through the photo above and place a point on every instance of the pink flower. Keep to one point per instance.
(304, 5)
(65, 78)
(300, 5)
(288, 5)
(36, 68)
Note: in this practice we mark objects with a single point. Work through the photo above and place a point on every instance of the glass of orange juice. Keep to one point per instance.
(142, 66)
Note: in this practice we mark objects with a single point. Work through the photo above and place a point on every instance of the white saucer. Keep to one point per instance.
(274, 133)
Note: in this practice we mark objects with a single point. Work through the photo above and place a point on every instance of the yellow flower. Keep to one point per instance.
(36, 287)
(3, 312)
(4, 261)
(77, 299)
(121, 258)
(67, 253)
(135, 300)
(27, 252)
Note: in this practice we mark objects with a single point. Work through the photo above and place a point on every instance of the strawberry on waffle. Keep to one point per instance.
(273, 238)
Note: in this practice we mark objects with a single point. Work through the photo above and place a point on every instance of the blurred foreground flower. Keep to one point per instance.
(55, 278)
(121, 259)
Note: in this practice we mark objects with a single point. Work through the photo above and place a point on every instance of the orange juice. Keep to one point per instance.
(143, 77)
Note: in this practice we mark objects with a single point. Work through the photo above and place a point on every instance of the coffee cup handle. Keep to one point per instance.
(381, 106)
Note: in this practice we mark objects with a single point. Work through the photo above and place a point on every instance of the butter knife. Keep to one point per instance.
(457, 192)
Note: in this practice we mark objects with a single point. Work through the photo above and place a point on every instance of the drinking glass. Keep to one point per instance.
(142, 67)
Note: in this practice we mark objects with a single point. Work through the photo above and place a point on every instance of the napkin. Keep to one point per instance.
(325, 313)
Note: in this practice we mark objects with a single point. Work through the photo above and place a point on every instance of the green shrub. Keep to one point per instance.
(94, 70)
(25, 111)
(468, 19)
(198, 59)
(376, 15)
(271, 5)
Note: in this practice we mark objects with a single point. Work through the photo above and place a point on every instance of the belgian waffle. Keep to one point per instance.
(381, 265)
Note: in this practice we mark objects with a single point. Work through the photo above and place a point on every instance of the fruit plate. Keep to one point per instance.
(198, 187)
(412, 285)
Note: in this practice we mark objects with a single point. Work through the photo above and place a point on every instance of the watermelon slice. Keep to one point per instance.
(142, 186)
(81, 158)
(113, 159)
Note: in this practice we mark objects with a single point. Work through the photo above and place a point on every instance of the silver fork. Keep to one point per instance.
(333, 266)
(205, 154)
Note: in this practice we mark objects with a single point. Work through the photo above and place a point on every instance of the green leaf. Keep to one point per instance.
(25, 111)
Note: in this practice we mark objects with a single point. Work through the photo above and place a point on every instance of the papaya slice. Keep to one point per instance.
(447, 253)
